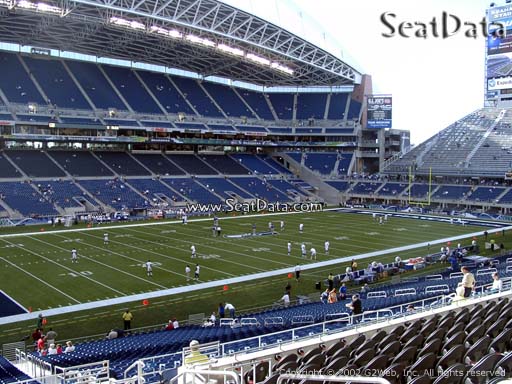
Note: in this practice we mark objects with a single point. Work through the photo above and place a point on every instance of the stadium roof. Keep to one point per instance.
(203, 36)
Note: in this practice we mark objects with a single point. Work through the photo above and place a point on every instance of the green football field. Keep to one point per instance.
(37, 270)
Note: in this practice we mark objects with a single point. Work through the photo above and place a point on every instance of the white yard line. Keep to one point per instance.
(64, 267)
(83, 256)
(40, 280)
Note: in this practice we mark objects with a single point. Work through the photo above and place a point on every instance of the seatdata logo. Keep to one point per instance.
(445, 26)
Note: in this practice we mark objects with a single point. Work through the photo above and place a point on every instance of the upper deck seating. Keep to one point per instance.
(80, 163)
(35, 163)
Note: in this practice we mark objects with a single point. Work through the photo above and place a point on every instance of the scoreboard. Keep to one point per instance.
(378, 112)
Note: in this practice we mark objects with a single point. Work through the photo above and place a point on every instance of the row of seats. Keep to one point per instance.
(471, 346)
(143, 92)
(478, 194)
(102, 163)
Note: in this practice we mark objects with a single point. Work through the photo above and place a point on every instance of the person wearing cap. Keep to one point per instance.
(195, 356)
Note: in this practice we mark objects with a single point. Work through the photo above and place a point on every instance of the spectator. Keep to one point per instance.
(410, 308)
(333, 298)
(69, 347)
(330, 281)
(324, 297)
(286, 299)
(221, 311)
(51, 335)
(36, 335)
(40, 319)
(357, 308)
(169, 326)
(213, 319)
(112, 335)
(195, 356)
(229, 307)
(59, 349)
(175, 323)
(40, 344)
(343, 292)
(353, 265)
(497, 283)
(468, 282)
(52, 350)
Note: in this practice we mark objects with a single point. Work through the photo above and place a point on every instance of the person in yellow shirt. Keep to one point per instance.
(195, 356)
(127, 319)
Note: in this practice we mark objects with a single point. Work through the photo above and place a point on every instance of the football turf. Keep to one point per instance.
(37, 270)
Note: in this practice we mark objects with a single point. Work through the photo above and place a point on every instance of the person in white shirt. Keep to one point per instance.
(374, 215)
(286, 299)
(52, 350)
(193, 250)
(149, 268)
(301, 228)
(69, 347)
(497, 283)
(213, 318)
(229, 307)
(187, 272)
(282, 226)
(74, 256)
(303, 250)
(297, 272)
(105, 239)
(175, 323)
(289, 246)
(184, 219)
(313, 253)
(326, 247)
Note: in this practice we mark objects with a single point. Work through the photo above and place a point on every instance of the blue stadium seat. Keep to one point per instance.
(56, 83)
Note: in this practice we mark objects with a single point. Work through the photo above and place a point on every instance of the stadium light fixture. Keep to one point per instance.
(200, 41)
(166, 32)
(231, 50)
(127, 23)
(282, 68)
(38, 7)
(257, 59)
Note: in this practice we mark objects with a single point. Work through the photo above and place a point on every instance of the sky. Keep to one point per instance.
(434, 81)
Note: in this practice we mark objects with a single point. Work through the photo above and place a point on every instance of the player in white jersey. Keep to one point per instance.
(105, 239)
(289, 246)
(326, 247)
(187, 272)
(301, 227)
(74, 256)
(282, 225)
(374, 216)
(193, 250)
(313, 253)
(184, 219)
(149, 268)
(196, 273)
(303, 250)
